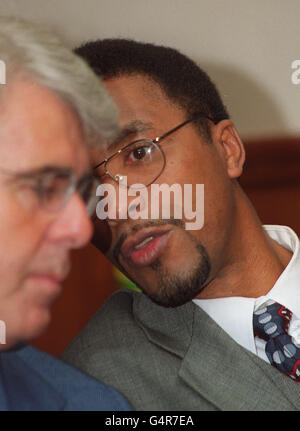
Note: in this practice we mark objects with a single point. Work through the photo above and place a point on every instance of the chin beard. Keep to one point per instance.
(174, 290)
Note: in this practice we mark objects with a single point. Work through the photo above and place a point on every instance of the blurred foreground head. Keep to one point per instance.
(52, 108)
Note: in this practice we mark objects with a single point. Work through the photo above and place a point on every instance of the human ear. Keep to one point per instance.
(231, 147)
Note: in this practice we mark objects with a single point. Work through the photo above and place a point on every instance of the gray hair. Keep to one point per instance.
(33, 53)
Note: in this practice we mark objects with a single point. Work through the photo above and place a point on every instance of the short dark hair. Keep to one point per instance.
(184, 83)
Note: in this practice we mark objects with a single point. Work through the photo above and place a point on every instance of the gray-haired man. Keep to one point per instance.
(51, 108)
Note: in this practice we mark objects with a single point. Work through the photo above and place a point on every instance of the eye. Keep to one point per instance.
(53, 189)
(49, 191)
(29, 186)
(28, 194)
(140, 153)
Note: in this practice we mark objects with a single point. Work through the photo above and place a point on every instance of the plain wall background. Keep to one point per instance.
(247, 47)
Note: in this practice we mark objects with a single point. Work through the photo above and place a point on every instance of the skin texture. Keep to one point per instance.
(230, 255)
(37, 130)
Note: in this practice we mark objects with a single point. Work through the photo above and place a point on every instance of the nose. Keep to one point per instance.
(72, 225)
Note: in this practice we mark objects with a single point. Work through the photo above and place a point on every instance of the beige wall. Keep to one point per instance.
(246, 46)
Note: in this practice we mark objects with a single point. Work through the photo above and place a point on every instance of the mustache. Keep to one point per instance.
(136, 228)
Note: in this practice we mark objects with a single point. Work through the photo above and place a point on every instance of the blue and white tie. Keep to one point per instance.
(271, 322)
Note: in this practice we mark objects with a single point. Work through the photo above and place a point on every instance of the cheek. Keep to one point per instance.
(210, 198)
(19, 303)
(185, 167)
(174, 257)
(185, 187)
(21, 234)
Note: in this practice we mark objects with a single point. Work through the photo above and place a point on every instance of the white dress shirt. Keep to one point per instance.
(235, 314)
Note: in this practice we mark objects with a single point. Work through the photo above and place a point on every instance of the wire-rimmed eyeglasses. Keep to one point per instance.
(142, 161)
(53, 186)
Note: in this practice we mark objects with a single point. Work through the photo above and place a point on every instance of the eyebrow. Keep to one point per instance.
(42, 171)
(48, 169)
(132, 128)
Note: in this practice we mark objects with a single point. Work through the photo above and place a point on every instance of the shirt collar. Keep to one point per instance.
(234, 314)
(286, 290)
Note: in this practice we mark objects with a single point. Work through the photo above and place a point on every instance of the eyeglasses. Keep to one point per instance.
(54, 186)
(142, 161)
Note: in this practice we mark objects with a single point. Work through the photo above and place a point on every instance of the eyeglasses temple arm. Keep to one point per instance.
(99, 164)
(196, 117)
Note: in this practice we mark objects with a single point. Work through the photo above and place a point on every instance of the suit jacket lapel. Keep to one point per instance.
(213, 364)
(169, 328)
(224, 373)
(284, 384)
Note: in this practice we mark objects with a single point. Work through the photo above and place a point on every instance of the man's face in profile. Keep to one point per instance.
(168, 262)
(38, 131)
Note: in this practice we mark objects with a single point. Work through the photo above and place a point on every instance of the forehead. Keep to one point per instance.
(37, 128)
(144, 111)
(140, 98)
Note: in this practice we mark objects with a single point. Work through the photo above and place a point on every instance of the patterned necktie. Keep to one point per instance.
(271, 322)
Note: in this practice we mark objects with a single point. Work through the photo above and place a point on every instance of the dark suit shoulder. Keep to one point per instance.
(35, 380)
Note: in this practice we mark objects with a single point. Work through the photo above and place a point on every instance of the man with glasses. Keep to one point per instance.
(52, 108)
(220, 304)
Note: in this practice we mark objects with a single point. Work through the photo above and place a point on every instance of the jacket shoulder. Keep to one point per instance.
(51, 384)
(109, 327)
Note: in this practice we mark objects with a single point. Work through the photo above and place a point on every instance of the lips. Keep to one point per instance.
(145, 246)
(47, 287)
(51, 277)
(55, 275)
(52, 281)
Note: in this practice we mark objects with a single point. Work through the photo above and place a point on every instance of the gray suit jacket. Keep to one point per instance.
(176, 359)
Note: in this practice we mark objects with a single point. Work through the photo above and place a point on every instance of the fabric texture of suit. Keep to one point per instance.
(176, 359)
(33, 380)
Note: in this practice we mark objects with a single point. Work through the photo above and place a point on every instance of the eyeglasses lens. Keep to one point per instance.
(141, 162)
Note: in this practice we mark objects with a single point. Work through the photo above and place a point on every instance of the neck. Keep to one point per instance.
(254, 261)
